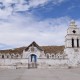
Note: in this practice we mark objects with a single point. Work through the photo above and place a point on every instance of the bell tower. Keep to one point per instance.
(72, 44)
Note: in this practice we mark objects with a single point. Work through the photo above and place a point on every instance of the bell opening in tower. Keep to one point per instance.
(77, 42)
(73, 43)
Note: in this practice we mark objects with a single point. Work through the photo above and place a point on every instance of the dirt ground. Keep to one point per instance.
(40, 74)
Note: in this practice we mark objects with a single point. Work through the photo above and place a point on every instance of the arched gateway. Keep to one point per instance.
(33, 52)
(32, 61)
(33, 58)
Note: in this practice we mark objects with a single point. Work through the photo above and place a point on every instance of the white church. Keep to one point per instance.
(35, 56)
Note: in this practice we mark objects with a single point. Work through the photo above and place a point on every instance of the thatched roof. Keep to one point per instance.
(46, 49)
(53, 49)
(15, 51)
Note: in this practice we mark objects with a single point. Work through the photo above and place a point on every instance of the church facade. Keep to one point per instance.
(35, 56)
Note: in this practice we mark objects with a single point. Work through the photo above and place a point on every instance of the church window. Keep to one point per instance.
(2, 56)
(52, 56)
(74, 31)
(7, 56)
(17, 55)
(32, 49)
(77, 42)
(47, 56)
(72, 42)
(12, 56)
(58, 56)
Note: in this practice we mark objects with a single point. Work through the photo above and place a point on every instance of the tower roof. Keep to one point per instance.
(73, 24)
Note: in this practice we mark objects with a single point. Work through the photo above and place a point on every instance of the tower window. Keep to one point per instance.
(72, 42)
(77, 42)
(74, 31)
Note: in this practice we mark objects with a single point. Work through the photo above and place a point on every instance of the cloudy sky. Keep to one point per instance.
(42, 21)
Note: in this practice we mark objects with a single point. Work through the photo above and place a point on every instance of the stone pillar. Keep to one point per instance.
(75, 42)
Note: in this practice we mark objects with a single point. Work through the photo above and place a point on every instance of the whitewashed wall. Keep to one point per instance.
(42, 63)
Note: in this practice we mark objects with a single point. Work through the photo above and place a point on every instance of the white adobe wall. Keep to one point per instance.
(40, 54)
(42, 63)
(73, 56)
(12, 61)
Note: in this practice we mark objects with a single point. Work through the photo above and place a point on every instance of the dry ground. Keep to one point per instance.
(40, 74)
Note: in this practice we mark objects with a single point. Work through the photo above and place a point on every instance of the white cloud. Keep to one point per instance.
(22, 31)
(17, 30)
(22, 5)
(5, 13)
(35, 3)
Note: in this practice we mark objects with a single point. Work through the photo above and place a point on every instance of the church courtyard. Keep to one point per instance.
(40, 74)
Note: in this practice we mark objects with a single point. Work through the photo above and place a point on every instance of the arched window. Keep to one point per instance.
(17, 55)
(12, 56)
(7, 56)
(77, 42)
(2, 56)
(47, 56)
(72, 42)
(52, 56)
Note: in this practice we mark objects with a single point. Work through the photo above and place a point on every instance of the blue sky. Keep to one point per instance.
(43, 21)
(69, 8)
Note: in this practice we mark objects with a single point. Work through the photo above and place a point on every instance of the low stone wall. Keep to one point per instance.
(51, 63)
(23, 63)
(12, 61)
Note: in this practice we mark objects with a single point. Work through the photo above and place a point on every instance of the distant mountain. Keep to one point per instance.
(4, 46)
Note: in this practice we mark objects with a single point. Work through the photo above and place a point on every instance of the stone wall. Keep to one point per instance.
(23, 63)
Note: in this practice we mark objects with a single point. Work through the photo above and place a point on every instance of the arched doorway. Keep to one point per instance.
(32, 63)
(33, 58)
